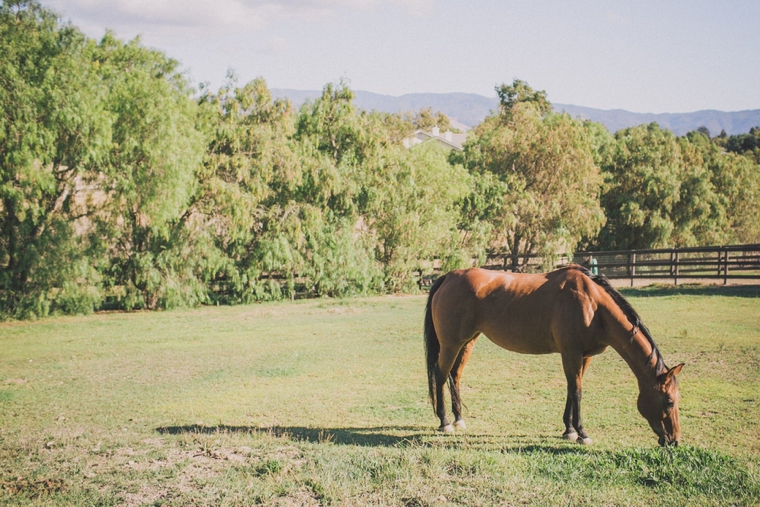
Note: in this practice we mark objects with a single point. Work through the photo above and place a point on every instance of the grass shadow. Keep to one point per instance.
(548, 448)
(365, 437)
(658, 290)
(388, 436)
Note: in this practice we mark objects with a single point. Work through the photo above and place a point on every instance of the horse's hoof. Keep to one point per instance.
(585, 441)
(460, 425)
(570, 436)
(446, 429)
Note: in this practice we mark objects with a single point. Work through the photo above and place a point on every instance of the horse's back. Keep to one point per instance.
(519, 312)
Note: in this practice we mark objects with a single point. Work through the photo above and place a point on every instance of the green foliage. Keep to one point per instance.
(742, 144)
(99, 151)
(736, 180)
(426, 119)
(118, 184)
(414, 212)
(52, 133)
(663, 191)
(520, 92)
(324, 202)
(642, 188)
(543, 192)
(149, 177)
(700, 216)
(249, 177)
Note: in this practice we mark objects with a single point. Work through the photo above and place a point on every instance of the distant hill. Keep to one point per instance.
(469, 109)
(736, 122)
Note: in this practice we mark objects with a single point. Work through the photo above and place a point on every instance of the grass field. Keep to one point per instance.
(324, 402)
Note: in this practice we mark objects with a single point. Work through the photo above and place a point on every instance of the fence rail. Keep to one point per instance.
(731, 262)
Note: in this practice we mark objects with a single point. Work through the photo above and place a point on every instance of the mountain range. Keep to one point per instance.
(468, 109)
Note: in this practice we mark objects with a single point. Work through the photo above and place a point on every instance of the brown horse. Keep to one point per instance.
(569, 311)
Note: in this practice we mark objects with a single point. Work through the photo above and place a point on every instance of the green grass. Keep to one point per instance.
(324, 402)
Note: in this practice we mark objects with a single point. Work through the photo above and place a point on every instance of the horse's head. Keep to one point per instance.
(658, 403)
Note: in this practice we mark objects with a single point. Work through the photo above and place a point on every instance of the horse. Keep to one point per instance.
(570, 311)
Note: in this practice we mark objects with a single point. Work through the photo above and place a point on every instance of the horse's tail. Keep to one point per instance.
(432, 346)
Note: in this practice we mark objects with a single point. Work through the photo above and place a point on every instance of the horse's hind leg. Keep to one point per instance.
(446, 359)
(456, 376)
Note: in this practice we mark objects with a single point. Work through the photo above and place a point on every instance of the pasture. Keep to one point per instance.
(322, 402)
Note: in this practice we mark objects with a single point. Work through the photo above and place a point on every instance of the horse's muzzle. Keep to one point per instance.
(665, 442)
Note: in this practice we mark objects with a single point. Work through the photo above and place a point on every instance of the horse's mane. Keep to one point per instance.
(630, 314)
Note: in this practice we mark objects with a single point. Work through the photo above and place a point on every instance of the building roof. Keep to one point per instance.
(446, 139)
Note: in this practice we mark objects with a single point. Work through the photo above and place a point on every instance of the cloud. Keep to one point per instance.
(169, 13)
(220, 15)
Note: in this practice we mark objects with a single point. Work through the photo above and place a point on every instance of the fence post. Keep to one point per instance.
(676, 258)
(632, 266)
(725, 267)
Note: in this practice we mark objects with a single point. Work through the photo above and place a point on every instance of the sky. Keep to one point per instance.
(645, 56)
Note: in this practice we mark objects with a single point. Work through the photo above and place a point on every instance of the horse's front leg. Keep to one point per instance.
(567, 418)
(574, 367)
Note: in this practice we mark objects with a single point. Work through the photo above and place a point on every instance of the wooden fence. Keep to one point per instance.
(732, 262)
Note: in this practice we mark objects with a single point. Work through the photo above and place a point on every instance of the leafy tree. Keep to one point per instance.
(397, 126)
(520, 92)
(149, 177)
(414, 211)
(736, 182)
(289, 190)
(643, 185)
(426, 119)
(545, 164)
(338, 142)
(664, 191)
(739, 181)
(700, 215)
(743, 144)
(249, 168)
(53, 134)
(340, 147)
(480, 211)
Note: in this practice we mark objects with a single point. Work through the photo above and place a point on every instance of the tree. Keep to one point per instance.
(520, 92)
(700, 215)
(735, 179)
(664, 191)
(643, 185)
(426, 119)
(53, 134)
(414, 211)
(545, 164)
(743, 144)
(149, 177)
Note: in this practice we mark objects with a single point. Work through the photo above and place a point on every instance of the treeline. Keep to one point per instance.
(121, 186)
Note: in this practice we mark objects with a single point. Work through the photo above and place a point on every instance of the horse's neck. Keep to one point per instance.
(636, 350)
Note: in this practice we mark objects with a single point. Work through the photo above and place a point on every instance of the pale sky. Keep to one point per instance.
(649, 56)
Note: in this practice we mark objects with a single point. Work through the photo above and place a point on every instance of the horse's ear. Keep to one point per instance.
(665, 377)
